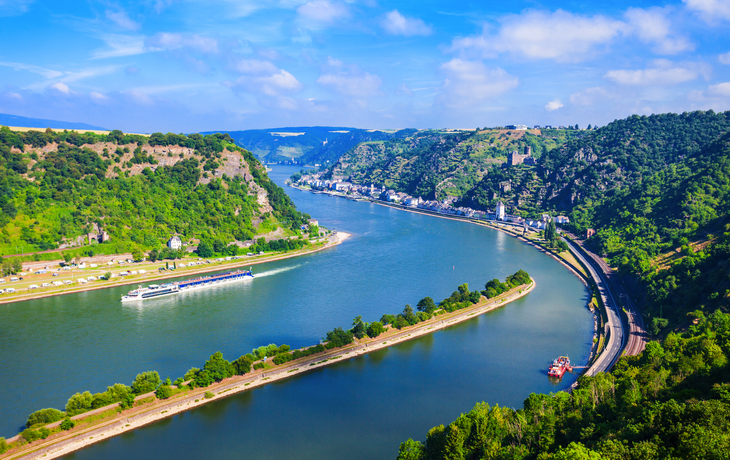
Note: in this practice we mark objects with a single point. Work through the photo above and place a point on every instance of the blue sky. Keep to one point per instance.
(188, 65)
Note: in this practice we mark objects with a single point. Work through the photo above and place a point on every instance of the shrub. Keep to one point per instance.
(283, 358)
(258, 366)
(208, 395)
(203, 379)
(163, 392)
(218, 367)
(375, 329)
(79, 403)
(44, 432)
(178, 381)
(67, 424)
(3, 446)
(146, 382)
(127, 401)
(44, 416)
(30, 435)
(242, 365)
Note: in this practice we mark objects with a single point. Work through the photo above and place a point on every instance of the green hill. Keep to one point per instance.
(55, 188)
(438, 164)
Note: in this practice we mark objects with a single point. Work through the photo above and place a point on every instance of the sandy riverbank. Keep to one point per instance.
(156, 276)
(135, 418)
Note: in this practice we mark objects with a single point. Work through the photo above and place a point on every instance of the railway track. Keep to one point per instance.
(636, 338)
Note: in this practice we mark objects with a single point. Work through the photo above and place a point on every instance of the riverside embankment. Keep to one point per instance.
(64, 443)
(153, 274)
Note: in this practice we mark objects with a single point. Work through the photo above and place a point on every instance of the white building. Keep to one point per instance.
(562, 220)
(175, 243)
(500, 211)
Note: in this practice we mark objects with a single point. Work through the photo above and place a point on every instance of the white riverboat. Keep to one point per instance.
(156, 290)
(151, 291)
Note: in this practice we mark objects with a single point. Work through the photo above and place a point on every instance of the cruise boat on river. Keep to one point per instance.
(202, 282)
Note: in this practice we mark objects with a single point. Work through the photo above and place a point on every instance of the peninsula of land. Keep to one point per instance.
(110, 421)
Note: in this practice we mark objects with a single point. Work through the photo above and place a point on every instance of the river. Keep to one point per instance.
(362, 408)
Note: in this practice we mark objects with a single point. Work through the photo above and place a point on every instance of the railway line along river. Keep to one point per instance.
(361, 408)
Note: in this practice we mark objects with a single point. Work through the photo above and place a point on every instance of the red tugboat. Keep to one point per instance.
(559, 367)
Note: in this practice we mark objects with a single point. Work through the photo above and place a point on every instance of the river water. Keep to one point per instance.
(361, 408)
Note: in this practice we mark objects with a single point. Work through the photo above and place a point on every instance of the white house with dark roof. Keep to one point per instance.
(175, 243)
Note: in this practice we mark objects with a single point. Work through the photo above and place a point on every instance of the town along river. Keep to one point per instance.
(361, 408)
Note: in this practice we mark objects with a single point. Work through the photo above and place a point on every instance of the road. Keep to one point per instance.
(637, 331)
(614, 325)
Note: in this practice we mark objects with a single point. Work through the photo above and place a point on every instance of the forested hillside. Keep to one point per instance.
(585, 171)
(671, 402)
(656, 190)
(435, 164)
(57, 187)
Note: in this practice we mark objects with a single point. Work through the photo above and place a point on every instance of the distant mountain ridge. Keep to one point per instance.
(303, 144)
(25, 122)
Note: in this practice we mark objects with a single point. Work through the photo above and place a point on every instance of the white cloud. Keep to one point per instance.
(405, 89)
(562, 36)
(397, 24)
(120, 45)
(98, 97)
(47, 73)
(169, 41)
(553, 105)
(710, 10)
(323, 11)
(61, 87)
(120, 18)
(469, 83)
(139, 97)
(14, 7)
(356, 84)
(724, 58)
(721, 89)
(262, 78)
(663, 73)
(653, 26)
(254, 66)
(12, 95)
(589, 96)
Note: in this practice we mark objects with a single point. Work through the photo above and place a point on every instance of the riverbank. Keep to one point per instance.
(154, 275)
(574, 266)
(64, 442)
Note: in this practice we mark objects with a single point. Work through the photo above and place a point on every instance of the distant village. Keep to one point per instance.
(352, 191)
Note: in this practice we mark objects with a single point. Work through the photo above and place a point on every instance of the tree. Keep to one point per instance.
(426, 304)
(163, 392)
(78, 403)
(411, 450)
(359, 327)
(67, 424)
(218, 367)
(146, 382)
(44, 416)
(205, 250)
(375, 329)
(137, 254)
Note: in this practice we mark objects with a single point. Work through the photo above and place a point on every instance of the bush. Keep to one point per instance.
(258, 366)
(44, 416)
(178, 381)
(375, 329)
(3, 446)
(208, 395)
(163, 392)
(67, 424)
(127, 401)
(79, 403)
(30, 435)
(203, 379)
(218, 367)
(338, 338)
(146, 382)
(242, 365)
(283, 358)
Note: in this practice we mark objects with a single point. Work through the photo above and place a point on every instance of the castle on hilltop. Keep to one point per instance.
(514, 158)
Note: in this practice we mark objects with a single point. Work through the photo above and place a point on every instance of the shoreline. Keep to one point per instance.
(482, 223)
(162, 409)
(340, 237)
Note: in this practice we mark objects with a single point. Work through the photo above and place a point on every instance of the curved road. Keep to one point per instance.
(614, 326)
